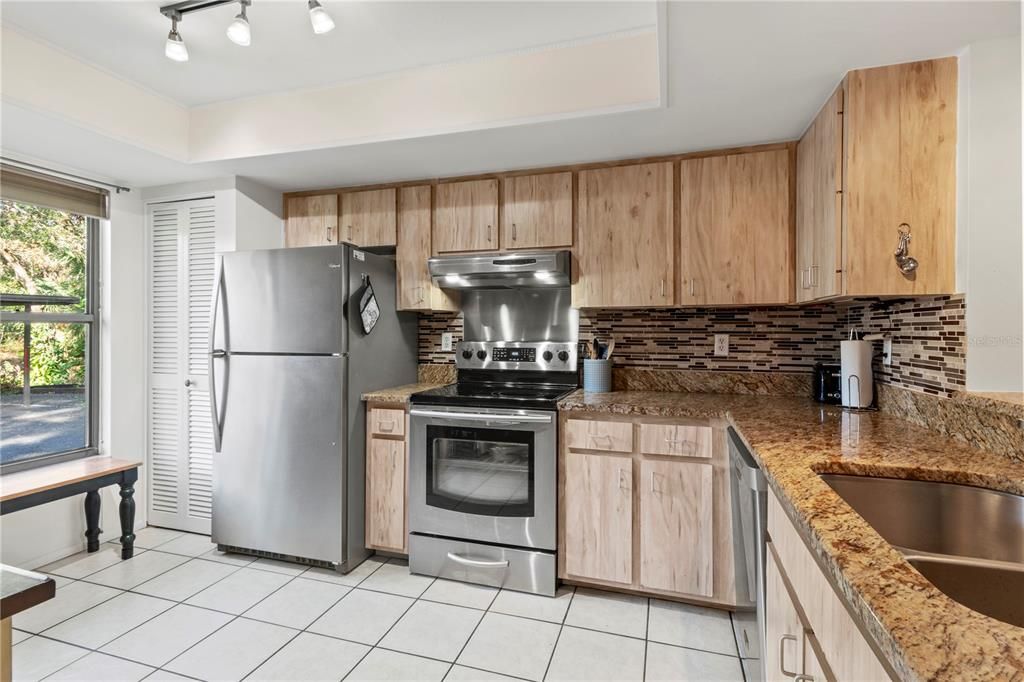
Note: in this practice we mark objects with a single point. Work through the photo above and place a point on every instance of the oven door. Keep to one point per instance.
(483, 474)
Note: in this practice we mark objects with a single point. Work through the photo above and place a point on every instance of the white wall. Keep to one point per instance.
(259, 216)
(990, 233)
(42, 534)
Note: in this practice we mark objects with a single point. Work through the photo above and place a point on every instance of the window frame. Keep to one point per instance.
(90, 317)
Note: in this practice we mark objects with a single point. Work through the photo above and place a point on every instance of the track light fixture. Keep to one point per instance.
(175, 48)
(238, 31)
(318, 16)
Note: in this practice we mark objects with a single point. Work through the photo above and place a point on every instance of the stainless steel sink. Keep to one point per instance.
(968, 541)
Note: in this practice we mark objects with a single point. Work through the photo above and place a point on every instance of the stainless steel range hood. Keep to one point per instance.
(501, 270)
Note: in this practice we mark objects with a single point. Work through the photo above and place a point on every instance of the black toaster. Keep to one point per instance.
(826, 384)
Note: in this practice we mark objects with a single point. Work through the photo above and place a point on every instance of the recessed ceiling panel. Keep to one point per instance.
(370, 38)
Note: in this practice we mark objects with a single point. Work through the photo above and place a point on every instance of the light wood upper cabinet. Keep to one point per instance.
(415, 289)
(368, 217)
(901, 168)
(625, 248)
(466, 216)
(735, 229)
(819, 204)
(676, 527)
(598, 507)
(311, 221)
(537, 211)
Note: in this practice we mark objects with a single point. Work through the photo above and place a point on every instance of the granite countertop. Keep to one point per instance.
(921, 632)
(399, 395)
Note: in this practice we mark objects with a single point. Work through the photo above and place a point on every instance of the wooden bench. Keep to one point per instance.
(32, 487)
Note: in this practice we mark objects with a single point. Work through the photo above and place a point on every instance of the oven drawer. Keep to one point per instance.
(591, 434)
(513, 569)
(675, 439)
(387, 422)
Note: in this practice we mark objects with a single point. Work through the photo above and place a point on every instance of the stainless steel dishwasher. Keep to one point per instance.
(750, 511)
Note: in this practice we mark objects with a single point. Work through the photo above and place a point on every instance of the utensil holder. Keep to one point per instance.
(597, 376)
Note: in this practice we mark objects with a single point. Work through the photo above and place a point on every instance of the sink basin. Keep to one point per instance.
(967, 541)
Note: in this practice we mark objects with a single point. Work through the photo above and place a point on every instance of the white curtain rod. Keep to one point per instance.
(32, 166)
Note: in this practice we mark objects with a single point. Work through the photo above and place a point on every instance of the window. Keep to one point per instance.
(48, 335)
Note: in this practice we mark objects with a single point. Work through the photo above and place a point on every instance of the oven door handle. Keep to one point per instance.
(482, 417)
(476, 563)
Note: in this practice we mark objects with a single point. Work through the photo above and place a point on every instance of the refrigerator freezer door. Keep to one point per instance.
(282, 301)
(278, 478)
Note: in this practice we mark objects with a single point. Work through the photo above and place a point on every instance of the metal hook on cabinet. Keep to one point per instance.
(904, 261)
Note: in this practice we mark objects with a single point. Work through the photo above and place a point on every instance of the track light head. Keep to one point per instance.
(174, 48)
(319, 18)
(238, 30)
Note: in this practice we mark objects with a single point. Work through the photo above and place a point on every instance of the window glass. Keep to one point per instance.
(46, 334)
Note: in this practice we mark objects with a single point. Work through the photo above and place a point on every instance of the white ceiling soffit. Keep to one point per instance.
(738, 73)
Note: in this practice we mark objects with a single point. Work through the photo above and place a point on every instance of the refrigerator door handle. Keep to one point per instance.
(216, 353)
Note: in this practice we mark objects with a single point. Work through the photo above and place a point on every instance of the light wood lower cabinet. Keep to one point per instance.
(598, 508)
(638, 513)
(808, 630)
(676, 509)
(386, 479)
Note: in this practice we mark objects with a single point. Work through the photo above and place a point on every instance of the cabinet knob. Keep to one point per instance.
(188, 382)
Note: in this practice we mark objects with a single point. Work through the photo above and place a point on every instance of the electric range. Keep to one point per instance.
(483, 466)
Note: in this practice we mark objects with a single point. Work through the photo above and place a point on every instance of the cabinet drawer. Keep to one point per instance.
(587, 434)
(675, 439)
(387, 422)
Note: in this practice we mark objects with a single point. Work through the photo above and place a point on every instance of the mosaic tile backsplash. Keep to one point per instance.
(928, 338)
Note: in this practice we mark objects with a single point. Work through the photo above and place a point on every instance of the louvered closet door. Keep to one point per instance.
(182, 241)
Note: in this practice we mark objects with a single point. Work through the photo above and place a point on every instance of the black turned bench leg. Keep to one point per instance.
(92, 521)
(127, 511)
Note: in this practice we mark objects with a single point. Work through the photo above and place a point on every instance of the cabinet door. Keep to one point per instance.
(368, 217)
(599, 517)
(676, 524)
(466, 216)
(625, 247)
(784, 632)
(312, 221)
(900, 168)
(537, 211)
(385, 494)
(735, 229)
(415, 290)
(819, 204)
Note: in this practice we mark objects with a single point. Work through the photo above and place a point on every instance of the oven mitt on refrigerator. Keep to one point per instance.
(369, 311)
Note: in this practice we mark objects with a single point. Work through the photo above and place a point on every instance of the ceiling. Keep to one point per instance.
(370, 38)
(738, 73)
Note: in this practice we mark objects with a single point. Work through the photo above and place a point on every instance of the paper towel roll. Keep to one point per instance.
(858, 386)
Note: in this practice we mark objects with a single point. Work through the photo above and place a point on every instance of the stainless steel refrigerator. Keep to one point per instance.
(289, 360)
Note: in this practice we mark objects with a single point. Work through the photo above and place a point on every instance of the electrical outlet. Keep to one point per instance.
(721, 345)
(887, 351)
(447, 340)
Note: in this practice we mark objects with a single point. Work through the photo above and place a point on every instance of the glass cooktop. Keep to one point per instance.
(526, 396)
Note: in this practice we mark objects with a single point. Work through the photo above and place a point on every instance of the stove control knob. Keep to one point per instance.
(547, 356)
(563, 355)
(467, 354)
(481, 354)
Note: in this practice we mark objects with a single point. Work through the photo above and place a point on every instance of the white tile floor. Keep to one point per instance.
(181, 610)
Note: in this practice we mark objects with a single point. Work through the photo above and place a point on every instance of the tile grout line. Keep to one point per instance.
(381, 638)
(350, 588)
(558, 637)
